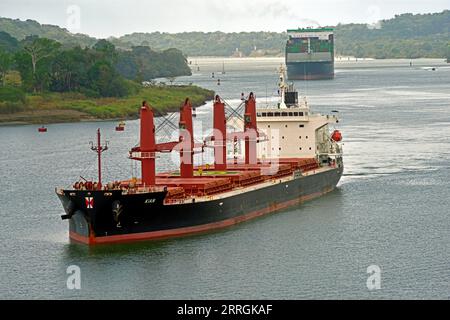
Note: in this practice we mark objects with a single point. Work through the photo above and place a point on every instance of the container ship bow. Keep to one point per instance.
(306, 163)
(310, 54)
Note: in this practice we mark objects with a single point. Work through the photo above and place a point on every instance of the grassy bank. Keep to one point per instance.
(72, 107)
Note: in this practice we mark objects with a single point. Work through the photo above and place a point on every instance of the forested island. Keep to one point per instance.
(43, 80)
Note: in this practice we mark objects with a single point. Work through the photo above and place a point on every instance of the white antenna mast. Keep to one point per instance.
(282, 85)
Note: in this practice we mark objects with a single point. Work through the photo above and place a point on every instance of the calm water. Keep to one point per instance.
(391, 208)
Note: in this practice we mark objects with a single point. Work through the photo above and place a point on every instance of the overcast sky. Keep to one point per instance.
(102, 18)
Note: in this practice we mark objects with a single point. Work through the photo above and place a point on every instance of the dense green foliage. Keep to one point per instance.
(51, 82)
(12, 94)
(11, 100)
(98, 71)
(142, 63)
(405, 36)
(8, 43)
(208, 44)
(6, 61)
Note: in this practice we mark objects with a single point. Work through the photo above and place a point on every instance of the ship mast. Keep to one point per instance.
(99, 149)
(282, 85)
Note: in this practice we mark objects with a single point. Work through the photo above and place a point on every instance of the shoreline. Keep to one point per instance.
(82, 119)
(57, 108)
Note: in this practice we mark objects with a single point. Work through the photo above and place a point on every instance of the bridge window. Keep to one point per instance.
(284, 114)
(301, 114)
(301, 125)
(270, 114)
(264, 114)
(277, 114)
(295, 114)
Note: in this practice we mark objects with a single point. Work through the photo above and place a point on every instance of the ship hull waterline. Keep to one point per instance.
(145, 217)
(310, 70)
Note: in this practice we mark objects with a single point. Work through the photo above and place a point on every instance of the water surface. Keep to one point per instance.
(390, 209)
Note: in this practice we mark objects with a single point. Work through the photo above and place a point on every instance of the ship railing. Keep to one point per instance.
(177, 201)
(139, 190)
(142, 155)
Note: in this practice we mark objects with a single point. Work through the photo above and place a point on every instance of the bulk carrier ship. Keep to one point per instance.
(310, 54)
(290, 157)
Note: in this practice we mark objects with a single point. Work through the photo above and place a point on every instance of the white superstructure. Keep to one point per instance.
(293, 131)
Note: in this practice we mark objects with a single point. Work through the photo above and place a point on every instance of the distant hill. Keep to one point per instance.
(405, 36)
(20, 29)
(8, 43)
(208, 43)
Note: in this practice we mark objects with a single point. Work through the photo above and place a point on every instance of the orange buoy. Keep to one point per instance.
(336, 136)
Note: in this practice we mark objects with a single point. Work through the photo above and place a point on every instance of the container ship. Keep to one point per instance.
(289, 155)
(310, 54)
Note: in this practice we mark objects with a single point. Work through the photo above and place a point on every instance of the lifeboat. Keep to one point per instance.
(42, 129)
(121, 126)
(336, 136)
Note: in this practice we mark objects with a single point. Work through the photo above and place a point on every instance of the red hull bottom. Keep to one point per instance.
(180, 232)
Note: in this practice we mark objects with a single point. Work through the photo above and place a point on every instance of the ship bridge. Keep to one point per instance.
(292, 130)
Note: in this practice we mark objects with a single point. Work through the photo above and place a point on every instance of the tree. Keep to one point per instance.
(8, 43)
(5, 65)
(143, 64)
(69, 70)
(39, 49)
(107, 50)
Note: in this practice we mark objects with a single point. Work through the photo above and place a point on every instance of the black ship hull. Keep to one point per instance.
(310, 70)
(98, 217)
